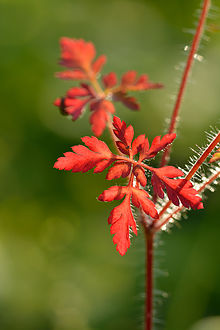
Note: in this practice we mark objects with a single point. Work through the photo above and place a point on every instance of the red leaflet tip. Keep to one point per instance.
(57, 102)
(200, 206)
(101, 198)
(109, 80)
(98, 64)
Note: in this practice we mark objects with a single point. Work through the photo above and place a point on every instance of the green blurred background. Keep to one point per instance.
(58, 267)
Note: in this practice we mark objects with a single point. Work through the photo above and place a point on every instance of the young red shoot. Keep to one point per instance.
(130, 164)
(79, 57)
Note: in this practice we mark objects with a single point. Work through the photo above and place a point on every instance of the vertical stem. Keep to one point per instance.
(149, 281)
(190, 60)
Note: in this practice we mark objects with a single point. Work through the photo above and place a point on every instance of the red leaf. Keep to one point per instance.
(129, 101)
(97, 145)
(122, 132)
(177, 190)
(143, 84)
(122, 147)
(98, 121)
(58, 102)
(100, 115)
(121, 219)
(143, 149)
(170, 171)
(71, 106)
(140, 199)
(140, 175)
(76, 54)
(102, 165)
(83, 159)
(85, 90)
(158, 145)
(118, 170)
(113, 193)
(72, 75)
(128, 79)
(130, 82)
(158, 186)
(109, 80)
(137, 144)
(98, 64)
(74, 107)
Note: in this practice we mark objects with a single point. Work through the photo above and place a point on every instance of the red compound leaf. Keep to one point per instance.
(118, 170)
(157, 145)
(178, 190)
(76, 54)
(83, 159)
(109, 80)
(100, 115)
(140, 199)
(79, 57)
(215, 157)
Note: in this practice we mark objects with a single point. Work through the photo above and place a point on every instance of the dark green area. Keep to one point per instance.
(58, 266)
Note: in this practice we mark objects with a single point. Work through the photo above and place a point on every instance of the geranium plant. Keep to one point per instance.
(160, 193)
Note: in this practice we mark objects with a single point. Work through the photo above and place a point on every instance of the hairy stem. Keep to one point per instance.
(196, 166)
(149, 280)
(185, 77)
(203, 157)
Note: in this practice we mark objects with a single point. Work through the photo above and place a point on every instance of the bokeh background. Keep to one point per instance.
(58, 267)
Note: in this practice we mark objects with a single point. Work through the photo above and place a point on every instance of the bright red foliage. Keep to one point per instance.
(101, 112)
(177, 190)
(121, 220)
(76, 54)
(109, 80)
(79, 57)
(97, 155)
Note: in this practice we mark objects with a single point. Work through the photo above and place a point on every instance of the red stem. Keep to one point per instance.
(193, 50)
(149, 280)
(203, 157)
